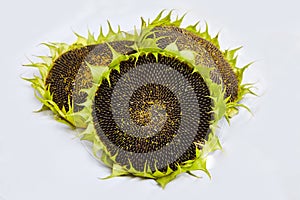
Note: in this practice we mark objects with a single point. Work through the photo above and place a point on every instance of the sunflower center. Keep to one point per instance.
(153, 106)
(147, 111)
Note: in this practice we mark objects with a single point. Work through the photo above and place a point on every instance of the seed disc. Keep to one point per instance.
(152, 112)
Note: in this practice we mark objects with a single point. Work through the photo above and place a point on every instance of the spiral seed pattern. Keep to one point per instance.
(152, 111)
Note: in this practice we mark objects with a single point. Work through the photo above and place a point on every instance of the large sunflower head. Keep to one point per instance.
(155, 115)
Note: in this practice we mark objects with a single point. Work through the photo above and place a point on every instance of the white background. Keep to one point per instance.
(40, 159)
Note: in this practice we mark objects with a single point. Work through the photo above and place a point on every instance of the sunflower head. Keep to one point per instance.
(66, 74)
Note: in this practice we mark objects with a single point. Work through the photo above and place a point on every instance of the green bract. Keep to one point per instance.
(150, 101)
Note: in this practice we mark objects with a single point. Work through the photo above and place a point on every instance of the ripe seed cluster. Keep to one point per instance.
(150, 105)
(149, 101)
